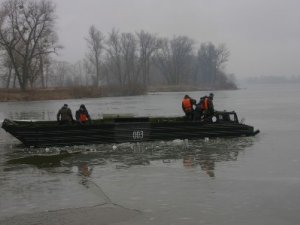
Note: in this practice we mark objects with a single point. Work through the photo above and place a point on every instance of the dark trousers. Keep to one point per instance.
(189, 115)
(197, 115)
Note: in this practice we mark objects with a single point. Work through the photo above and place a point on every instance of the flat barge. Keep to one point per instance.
(125, 129)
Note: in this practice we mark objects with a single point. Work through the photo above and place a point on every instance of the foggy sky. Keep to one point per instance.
(263, 36)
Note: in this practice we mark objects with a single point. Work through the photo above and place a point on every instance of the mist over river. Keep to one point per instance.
(248, 180)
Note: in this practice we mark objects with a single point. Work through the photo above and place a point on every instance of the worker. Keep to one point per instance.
(82, 115)
(207, 106)
(187, 106)
(199, 108)
(64, 115)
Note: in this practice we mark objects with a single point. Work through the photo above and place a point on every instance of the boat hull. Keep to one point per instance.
(45, 134)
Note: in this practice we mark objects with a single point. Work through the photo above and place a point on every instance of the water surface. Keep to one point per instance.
(252, 180)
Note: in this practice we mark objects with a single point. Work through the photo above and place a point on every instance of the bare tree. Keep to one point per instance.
(34, 71)
(123, 64)
(211, 61)
(45, 62)
(174, 59)
(60, 70)
(163, 60)
(65, 74)
(77, 74)
(88, 71)
(113, 59)
(7, 72)
(95, 44)
(27, 32)
(130, 59)
(148, 44)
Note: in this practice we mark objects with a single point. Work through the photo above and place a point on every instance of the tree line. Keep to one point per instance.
(130, 61)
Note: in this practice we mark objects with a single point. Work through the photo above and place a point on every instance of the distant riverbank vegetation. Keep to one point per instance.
(116, 63)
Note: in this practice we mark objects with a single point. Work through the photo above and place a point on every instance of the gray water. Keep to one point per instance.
(252, 180)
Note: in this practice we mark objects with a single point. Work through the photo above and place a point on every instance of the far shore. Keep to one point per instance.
(11, 95)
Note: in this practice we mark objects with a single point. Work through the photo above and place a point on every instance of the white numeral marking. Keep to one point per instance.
(138, 134)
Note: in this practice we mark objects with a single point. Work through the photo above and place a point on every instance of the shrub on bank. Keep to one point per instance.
(97, 92)
(69, 93)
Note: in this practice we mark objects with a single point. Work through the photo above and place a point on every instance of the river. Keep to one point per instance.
(250, 180)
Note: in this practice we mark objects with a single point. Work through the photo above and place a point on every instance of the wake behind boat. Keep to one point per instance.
(118, 129)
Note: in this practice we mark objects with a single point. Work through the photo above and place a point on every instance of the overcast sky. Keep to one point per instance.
(263, 36)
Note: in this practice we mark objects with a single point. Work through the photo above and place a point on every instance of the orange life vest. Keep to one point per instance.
(204, 104)
(83, 118)
(187, 105)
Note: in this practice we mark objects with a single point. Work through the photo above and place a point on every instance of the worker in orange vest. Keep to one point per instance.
(187, 106)
(200, 106)
(207, 106)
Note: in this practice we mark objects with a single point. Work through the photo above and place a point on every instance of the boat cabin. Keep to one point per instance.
(224, 116)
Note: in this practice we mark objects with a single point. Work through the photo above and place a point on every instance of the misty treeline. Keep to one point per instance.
(129, 61)
(273, 79)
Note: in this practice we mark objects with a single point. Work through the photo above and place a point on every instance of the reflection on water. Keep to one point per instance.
(84, 172)
(42, 160)
(206, 163)
(35, 179)
(196, 153)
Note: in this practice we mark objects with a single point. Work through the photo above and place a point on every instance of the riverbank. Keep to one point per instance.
(182, 88)
(8, 95)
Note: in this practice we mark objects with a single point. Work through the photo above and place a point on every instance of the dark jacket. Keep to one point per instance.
(84, 112)
(211, 105)
(65, 114)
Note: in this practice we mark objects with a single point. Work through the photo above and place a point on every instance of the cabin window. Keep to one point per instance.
(232, 117)
(227, 117)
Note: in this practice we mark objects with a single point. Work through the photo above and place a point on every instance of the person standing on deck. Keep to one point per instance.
(208, 106)
(187, 106)
(64, 115)
(198, 112)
